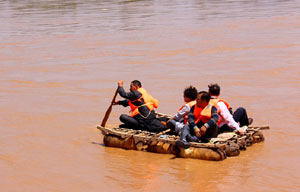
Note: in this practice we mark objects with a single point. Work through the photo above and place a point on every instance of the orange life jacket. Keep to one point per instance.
(191, 104)
(217, 100)
(203, 115)
(149, 101)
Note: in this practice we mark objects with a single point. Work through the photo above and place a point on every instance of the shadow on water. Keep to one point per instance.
(102, 144)
(97, 143)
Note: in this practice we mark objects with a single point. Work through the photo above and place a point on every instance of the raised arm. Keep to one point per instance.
(124, 94)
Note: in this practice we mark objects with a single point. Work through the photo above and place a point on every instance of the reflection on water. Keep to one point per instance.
(60, 62)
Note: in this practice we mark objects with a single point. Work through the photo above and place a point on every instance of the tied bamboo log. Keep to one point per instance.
(153, 142)
(225, 145)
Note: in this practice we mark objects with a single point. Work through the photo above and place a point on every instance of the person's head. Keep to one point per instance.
(203, 99)
(214, 89)
(190, 94)
(135, 85)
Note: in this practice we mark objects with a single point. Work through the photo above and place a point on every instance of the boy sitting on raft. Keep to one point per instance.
(177, 122)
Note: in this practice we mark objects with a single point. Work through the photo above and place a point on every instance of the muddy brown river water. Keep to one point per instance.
(59, 66)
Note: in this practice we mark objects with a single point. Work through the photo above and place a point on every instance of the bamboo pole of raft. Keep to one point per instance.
(262, 127)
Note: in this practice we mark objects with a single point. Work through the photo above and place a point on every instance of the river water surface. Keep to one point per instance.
(59, 66)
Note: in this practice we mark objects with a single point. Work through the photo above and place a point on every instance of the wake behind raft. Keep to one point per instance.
(225, 145)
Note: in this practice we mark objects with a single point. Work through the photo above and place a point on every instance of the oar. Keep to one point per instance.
(109, 110)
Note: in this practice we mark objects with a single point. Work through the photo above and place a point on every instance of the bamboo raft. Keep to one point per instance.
(225, 145)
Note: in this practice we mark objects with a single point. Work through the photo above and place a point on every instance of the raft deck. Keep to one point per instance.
(225, 145)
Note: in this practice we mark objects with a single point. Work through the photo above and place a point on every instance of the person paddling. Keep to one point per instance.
(142, 106)
(227, 121)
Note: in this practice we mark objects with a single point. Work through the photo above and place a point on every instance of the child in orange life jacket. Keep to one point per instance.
(142, 105)
(177, 122)
(202, 122)
(227, 121)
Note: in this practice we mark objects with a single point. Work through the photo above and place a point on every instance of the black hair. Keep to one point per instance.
(204, 95)
(136, 83)
(191, 93)
(214, 89)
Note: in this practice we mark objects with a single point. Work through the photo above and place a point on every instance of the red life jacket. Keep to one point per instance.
(149, 101)
(191, 104)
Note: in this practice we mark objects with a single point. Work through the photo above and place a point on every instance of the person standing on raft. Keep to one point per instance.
(142, 106)
(202, 122)
(227, 121)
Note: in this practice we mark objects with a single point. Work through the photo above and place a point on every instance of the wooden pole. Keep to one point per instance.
(262, 127)
(109, 109)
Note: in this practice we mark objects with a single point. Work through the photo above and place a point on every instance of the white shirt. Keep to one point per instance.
(179, 117)
(226, 117)
(181, 113)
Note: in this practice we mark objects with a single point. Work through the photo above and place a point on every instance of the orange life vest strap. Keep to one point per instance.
(149, 101)
(191, 104)
(217, 100)
(203, 115)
